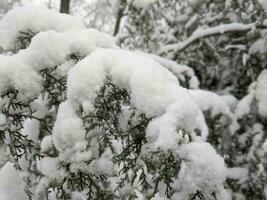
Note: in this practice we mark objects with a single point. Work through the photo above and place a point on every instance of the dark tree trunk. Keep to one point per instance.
(119, 16)
(65, 6)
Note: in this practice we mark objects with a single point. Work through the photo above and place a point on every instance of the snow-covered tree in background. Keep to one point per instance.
(83, 119)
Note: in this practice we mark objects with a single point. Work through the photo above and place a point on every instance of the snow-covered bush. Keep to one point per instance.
(83, 119)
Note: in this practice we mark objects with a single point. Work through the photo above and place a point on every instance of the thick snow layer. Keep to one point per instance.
(36, 19)
(102, 166)
(49, 49)
(260, 46)
(230, 100)
(48, 166)
(47, 144)
(154, 90)
(210, 101)
(152, 87)
(162, 131)
(261, 93)
(68, 128)
(244, 105)
(181, 71)
(150, 80)
(11, 184)
(202, 169)
(77, 156)
(17, 75)
(31, 128)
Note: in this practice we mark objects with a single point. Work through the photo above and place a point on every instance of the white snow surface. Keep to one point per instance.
(202, 169)
(261, 93)
(244, 105)
(210, 101)
(47, 144)
(36, 19)
(47, 49)
(31, 128)
(48, 166)
(11, 184)
(17, 75)
(260, 46)
(181, 71)
(68, 128)
(154, 90)
(50, 48)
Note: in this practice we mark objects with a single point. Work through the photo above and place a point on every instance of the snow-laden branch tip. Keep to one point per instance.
(217, 30)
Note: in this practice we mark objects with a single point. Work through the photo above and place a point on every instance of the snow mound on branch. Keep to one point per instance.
(152, 86)
(47, 49)
(181, 71)
(261, 93)
(68, 128)
(49, 166)
(154, 90)
(50, 48)
(17, 75)
(162, 131)
(244, 105)
(202, 169)
(31, 128)
(11, 184)
(47, 144)
(36, 19)
(260, 46)
(210, 101)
